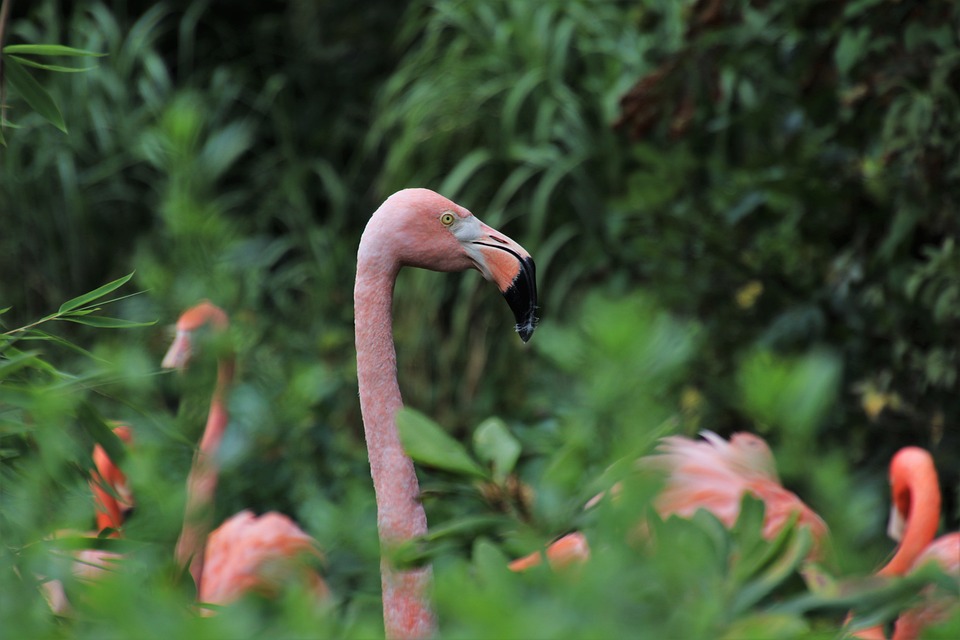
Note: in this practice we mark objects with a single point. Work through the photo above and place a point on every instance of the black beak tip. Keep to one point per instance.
(522, 298)
(526, 329)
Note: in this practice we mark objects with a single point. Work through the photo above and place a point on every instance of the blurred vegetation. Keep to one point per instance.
(743, 216)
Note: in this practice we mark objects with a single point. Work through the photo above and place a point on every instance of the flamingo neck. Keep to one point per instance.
(918, 496)
(400, 516)
(202, 480)
(108, 511)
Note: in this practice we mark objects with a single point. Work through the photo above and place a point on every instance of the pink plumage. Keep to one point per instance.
(246, 553)
(944, 551)
(257, 554)
(714, 474)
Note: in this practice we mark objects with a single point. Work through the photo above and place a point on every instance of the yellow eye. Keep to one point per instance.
(447, 219)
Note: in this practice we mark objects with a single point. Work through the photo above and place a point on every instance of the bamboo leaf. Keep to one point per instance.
(103, 322)
(50, 50)
(49, 67)
(94, 424)
(99, 292)
(33, 94)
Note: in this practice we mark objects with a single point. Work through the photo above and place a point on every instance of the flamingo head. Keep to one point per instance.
(421, 228)
(111, 491)
(200, 315)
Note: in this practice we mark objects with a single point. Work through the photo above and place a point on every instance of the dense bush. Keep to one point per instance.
(742, 215)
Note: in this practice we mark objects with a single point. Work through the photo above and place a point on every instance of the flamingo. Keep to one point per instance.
(417, 228)
(714, 474)
(113, 502)
(246, 553)
(914, 518)
(711, 474)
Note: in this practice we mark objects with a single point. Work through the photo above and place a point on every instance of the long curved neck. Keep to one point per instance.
(922, 520)
(108, 509)
(400, 516)
(202, 480)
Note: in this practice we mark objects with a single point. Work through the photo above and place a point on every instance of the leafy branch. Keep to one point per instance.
(79, 310)
(12, 68)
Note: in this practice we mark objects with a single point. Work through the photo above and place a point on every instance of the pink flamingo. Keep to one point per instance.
(246, 553)
(113, 502)
(711, 474)
(417, 228)
(714, 474)
(914, 519)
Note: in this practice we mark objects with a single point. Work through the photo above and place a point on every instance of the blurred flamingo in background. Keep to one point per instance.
(418, 228)
(914, 519)
(113, 503)
(714, 474)
(246, 554)
(711, 474)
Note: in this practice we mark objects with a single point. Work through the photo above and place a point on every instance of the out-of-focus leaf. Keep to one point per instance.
(50, 67)
(33, 93)
(50, 50)
(494, 443)
(763, 626)
(794, 393)
(426, 442)
(100, 431)
(108, 323)
(90, 296)
(786, 563)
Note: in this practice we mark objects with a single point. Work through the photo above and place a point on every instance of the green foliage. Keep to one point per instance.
(742, 216)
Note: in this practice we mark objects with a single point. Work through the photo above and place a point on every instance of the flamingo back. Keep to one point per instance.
(714, 474)
(259, 555)
(945, 551)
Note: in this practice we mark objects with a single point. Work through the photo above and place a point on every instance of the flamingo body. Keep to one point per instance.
(711, 474)
(714, 474)
(253, 554)
(944, 551)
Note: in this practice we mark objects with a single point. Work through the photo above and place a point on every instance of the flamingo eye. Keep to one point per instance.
(447, 219)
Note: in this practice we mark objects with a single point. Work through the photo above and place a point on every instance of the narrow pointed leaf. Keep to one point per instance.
(104, 322)
(99, 292)
(50, 50)
(33, 94)
(49, 67)
(426, 442)
(94, 424)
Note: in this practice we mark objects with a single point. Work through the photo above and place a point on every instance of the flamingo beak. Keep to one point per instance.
(896, 524)
(508, 265)
(179, 352)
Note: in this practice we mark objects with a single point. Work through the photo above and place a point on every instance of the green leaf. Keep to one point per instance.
(792, 392)
(34, 94)
(16, 361)
(767, 625)
(50, 50)
(99, 292)
(94, 424)
(494, 443)
(104, 322)
(426, 442)
(49, 67)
